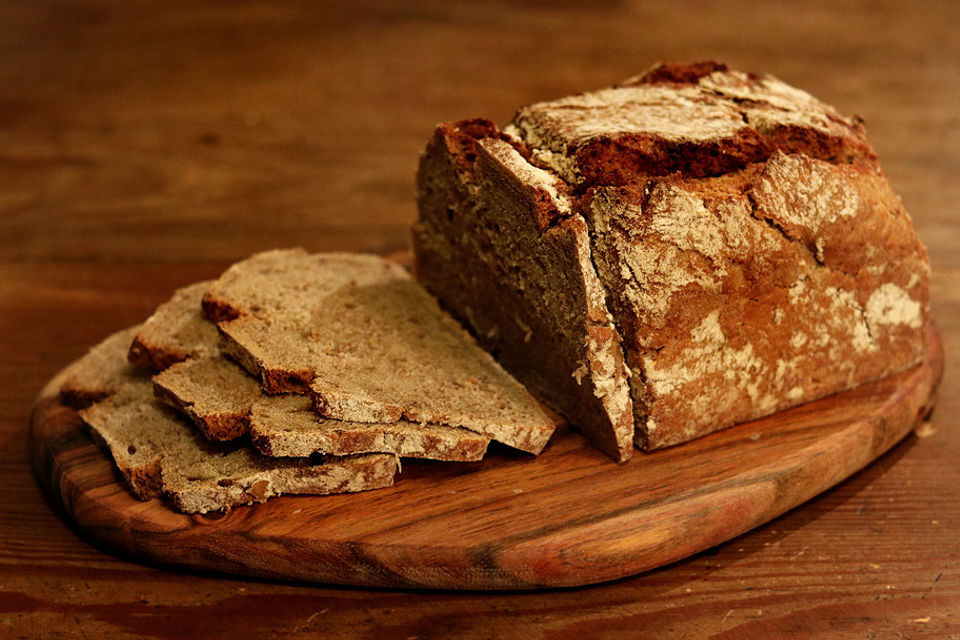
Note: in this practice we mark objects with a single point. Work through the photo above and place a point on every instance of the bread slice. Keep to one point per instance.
(287, 283)
(175, 331)
(160, 455)
(213, 392)
(225, 402)
(741, 233)
(287, 425)
(368, 344)
(95, 376)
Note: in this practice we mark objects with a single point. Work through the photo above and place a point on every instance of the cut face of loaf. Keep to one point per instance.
(749, 248)
(161, 455)
(368, 344)
(219, 396)
(499, 245)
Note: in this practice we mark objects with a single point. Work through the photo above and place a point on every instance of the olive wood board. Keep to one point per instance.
(513, 521)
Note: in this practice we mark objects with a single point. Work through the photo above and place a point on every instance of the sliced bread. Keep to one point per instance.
(161, 455)
(368, 344)
(287, 282)
(225, 402)
(213, 392)
(175, 332)
(95, 376)
(218, 396)
(287, 425)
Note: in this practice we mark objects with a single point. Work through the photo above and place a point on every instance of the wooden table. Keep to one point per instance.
(146, 145)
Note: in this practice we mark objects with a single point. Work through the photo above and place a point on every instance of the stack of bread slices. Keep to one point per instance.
(295, 373)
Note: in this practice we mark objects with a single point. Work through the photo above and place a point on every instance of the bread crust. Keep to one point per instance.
(742, 295)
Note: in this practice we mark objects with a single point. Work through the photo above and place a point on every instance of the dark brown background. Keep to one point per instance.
(146, 144)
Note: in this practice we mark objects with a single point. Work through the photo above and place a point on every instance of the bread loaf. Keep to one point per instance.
(736, 235)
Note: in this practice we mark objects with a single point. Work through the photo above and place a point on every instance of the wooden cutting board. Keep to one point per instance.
(568, 517)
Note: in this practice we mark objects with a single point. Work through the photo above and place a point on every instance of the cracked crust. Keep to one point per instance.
(750, 248)
(698, 120)
(741, 295)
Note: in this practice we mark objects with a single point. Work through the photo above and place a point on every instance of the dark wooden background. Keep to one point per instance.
(146, 144)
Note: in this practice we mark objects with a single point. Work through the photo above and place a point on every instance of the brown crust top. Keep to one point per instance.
(460, 139)
(699, 120)
(616, 161)
(678, 72)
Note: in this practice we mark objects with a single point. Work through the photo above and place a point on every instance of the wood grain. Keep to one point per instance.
(568, 517)
(144, 145)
